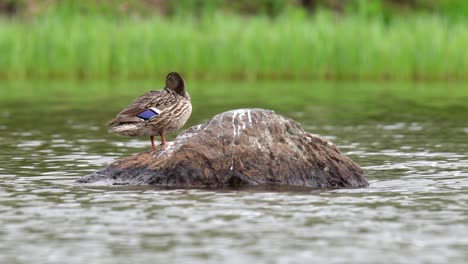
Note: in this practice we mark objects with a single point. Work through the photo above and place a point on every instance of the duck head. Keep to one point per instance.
(176, 83)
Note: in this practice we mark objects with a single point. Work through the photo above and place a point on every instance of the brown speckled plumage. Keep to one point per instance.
(174, 103)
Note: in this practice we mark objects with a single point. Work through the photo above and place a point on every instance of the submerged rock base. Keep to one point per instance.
(236, 148)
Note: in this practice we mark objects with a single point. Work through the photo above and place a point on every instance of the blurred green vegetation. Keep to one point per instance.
(220, 39)
(389, 8)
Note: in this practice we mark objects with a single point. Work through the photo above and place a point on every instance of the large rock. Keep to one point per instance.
(239, 147)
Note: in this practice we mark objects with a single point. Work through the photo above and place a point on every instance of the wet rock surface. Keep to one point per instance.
(237, 148)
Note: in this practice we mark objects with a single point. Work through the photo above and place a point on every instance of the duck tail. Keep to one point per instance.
(125, 129)
(111, 123)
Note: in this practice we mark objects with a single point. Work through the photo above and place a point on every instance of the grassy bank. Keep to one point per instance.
(229, 46)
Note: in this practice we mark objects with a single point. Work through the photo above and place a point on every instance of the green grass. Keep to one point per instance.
(292, 46)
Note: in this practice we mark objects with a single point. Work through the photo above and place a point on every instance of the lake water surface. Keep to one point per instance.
(412, 141)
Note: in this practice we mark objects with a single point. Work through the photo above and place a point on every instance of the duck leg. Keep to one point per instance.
(162, 139)
(153, 146)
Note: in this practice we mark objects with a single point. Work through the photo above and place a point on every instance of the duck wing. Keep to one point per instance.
(160, 99)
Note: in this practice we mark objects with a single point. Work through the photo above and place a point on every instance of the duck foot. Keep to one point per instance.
(163, 140)
(153, 146)
(164, 143)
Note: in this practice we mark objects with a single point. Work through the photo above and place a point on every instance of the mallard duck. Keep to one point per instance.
(156, 112)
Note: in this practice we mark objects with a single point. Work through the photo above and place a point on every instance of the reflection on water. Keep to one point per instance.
(413, 212)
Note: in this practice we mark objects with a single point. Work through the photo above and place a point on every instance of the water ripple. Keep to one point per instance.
(413, 211)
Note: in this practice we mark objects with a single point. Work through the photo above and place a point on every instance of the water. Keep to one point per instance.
(414, 152)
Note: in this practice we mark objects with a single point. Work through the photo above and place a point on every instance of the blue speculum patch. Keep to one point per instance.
(149, 113)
